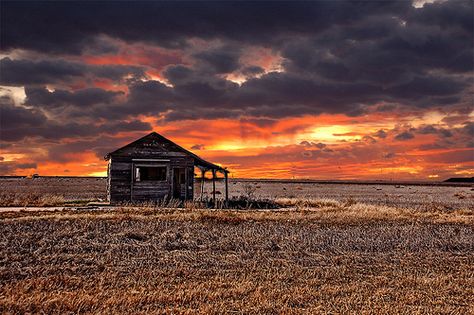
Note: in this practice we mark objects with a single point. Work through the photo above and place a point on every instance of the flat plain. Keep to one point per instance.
(59, 190)
(328, 249)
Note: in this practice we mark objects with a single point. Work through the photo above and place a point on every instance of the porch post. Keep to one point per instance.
(203, 174)
(226, 188)
(214, 186)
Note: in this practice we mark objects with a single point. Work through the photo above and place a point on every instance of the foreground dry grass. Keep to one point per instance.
(338, 258)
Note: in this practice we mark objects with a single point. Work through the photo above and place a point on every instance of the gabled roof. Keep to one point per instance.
(199, 162)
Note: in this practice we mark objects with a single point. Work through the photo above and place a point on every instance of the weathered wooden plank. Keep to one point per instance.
(177, 158)
(121, 196)
(120, 186)
(121, 190)
(125, 175)
(151, 184)
(118, 198)
(121, 166)
(144, 153)
(143, 194)
(120, 181)
(149, 191)
(152, 198)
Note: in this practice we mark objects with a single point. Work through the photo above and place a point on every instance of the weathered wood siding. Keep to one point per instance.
(122, 184)
(120, 177)
(123, 187)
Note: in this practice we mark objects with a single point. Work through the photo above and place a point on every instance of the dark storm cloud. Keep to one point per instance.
(100, 45)
(271, 95)
(220, 60)
(121, 126)
(15, 119)
(150, 97)
(389, 61)
(465, 156)
(20, 72)
(469, 128)
(100, 146)
(274, 95)
(65, 27)
(451, 14)
(289, 89)
(338, 56)
(9, 167)
(24, 72)
(426, 90)
(309, 144)
(456, 119)
(41, 97)
(197, 86)
(178, 74)
(404, 136)
(380, 134)
(191, 93)
(369, 139)
(427, 129)
(252, 70)
(430, 129)
(395, 54)
(389, 155)
(116, 72)
(198, 147)
(16, 123)
(206, 113)
(260, 122)
(55, 130)
(459, 137)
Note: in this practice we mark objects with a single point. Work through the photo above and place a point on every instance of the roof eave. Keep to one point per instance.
(201, 161)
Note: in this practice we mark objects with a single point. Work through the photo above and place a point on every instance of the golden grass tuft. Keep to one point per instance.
(301, 203)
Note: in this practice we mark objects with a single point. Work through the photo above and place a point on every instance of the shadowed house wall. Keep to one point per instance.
(153, 168)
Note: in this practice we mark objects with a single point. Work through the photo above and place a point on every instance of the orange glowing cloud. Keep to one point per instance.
(320, 147)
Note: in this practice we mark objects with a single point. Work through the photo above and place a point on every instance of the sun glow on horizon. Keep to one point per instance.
(333, 133)
(98, 174)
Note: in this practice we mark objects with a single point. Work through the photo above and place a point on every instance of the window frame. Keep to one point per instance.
(142, 165)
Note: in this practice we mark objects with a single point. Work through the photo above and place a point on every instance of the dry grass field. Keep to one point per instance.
(52, 191)
(329, 250)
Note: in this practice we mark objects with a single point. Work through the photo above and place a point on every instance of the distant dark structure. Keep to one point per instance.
(460, 180)
(155, 168)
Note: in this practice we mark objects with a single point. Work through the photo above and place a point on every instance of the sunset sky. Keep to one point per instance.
(321, 90)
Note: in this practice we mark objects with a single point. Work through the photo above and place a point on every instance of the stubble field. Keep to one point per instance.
(66, 190)
(330, 248)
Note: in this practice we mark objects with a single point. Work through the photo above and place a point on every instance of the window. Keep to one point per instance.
(148, 173)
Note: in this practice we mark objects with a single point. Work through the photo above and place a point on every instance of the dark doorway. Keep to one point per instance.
(179, 183)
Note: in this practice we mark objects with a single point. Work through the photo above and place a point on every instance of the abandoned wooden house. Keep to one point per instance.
(155, 168)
